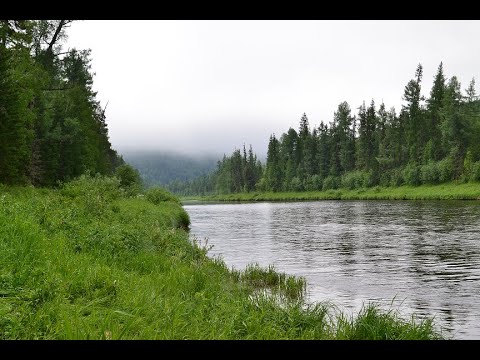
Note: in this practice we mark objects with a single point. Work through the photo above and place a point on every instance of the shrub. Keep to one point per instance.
(130, 179)
(445, 169)
(87, 186)
(157, 194)
(353, 180)
(475, 172)
(317, 182)
(261, 185)
(331, 182)
(386, 178)
(183, 220)
(370, 179)
(396, 177)
(296, 184)
(412, 174)
(429, 173)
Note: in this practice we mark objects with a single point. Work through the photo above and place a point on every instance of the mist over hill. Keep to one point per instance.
(160, 168)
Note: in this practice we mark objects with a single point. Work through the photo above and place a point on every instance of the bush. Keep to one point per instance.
(396, 177)
(331, 182)
(370, 179)
(94, 192)
(412, 174)
(429, 173)
(353, 180)
(184, 220)
(87, 186)
(316, 182)
(296, 184)
(475, 172)
(445, 170)
(386, 178)
(261, 185)
(130, 179)
(157, 194)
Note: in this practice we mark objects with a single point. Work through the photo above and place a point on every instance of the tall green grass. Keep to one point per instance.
(89, 261)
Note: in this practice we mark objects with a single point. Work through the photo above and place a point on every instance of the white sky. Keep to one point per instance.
(209, 86)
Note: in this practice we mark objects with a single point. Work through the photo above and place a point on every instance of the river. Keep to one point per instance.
(419, 257)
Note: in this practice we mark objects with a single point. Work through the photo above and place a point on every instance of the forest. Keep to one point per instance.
(430, 141)
(52, 127)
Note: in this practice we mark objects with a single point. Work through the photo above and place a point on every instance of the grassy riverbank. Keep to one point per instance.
(450, 191)
(87, 262)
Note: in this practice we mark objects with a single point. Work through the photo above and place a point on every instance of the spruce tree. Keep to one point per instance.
(434, 105)
(413, 116)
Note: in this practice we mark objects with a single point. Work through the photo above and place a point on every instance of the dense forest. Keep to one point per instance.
(432, 140)
(52, 127)
(161, 168)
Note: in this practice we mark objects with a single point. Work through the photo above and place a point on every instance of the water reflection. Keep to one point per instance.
(425, 256)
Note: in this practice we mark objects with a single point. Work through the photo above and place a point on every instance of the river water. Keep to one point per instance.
(419, 257)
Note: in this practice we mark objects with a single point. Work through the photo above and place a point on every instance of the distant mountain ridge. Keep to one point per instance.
(161, 168)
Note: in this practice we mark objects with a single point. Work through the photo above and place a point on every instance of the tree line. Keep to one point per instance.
(432, 140)
(52, 127)
(240, 172)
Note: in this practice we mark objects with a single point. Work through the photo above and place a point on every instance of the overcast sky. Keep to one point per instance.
(210, 86)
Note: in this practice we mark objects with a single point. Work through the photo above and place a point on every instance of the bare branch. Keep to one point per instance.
(59, 89)
(55, 36)
(63, 53)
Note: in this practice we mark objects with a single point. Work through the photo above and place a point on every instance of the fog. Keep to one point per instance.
(211, 86)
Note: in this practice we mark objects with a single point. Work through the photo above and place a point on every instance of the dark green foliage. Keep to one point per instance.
(368, 139)
(331, 182)
(52, 128)
(357, 179)
(475, 172)
(412, 174)
(274, 170)
(434, 106)
(129, 178)
(16, 130)
(430, 173)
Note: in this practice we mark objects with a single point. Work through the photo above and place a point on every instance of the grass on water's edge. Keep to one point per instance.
(450, 191)
(88, 262)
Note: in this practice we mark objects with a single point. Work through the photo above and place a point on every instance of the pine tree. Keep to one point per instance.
(273, 169)
(368, 146)
(434, 106)
(472, 114)
(16, 122)
(290, 156)
(454, 126)
(303, 130)
(414, 117)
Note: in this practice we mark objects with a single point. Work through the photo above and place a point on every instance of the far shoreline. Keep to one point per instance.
(447, 191)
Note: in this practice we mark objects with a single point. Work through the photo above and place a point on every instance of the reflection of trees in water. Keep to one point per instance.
(443, 256)
(427, 253)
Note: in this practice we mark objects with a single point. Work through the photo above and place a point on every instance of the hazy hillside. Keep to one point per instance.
(160, 168)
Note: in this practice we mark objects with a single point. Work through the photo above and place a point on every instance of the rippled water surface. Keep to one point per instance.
(419, 257)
